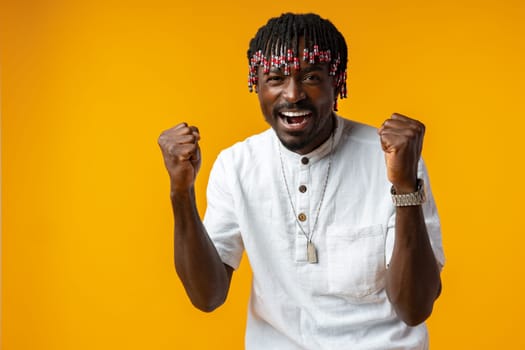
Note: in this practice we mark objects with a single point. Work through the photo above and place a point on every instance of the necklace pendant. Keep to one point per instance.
(311, 253)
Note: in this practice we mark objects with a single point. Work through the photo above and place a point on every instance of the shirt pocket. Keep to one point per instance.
(356, 262)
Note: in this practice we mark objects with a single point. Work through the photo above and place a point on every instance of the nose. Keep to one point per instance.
(293, 91)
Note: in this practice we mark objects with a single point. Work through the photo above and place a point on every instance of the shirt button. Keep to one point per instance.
(304, 160)
(301, 217)
(302, 188)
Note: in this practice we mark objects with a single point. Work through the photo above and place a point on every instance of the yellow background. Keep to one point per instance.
(87, 86)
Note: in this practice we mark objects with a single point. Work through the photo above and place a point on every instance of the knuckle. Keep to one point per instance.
(162, 135)
(172, 149)
(180, 125)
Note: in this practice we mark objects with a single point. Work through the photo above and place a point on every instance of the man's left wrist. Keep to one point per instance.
(404, 197)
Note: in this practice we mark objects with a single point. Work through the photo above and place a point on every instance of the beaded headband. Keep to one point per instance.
(288, 59)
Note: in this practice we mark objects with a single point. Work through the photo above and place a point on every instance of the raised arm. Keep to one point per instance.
(413, 277)
(204, 276)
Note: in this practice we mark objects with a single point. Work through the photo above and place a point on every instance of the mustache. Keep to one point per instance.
(303, 105)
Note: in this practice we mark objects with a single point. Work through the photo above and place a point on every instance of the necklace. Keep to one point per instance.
(311, 252)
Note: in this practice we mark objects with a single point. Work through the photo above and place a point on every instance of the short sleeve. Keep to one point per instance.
(431, 220)
(220, 219)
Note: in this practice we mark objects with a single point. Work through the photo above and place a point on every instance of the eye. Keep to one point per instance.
(274, 79)
(312, 78)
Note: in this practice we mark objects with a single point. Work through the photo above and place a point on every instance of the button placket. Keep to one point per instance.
(302, 200)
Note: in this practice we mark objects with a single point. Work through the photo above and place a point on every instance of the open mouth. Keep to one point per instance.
(295, 118)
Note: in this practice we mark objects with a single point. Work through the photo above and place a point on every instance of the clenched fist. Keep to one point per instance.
(402, 142)
(182, 157)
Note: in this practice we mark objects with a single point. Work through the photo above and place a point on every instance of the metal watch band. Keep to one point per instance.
(410, 199)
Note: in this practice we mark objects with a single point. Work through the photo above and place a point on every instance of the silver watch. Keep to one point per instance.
(410, 199)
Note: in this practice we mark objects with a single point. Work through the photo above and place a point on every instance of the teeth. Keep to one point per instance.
(295, 114)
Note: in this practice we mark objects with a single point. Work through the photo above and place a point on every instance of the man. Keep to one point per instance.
(345, 250)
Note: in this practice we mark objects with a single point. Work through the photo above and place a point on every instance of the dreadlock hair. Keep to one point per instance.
(276, 44)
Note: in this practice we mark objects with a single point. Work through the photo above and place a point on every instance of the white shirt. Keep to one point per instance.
(340, 302)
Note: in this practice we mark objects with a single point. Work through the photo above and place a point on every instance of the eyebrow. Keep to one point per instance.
(313, 68)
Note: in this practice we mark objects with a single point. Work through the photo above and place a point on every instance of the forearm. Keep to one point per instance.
(203, 274)
(413, 277)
